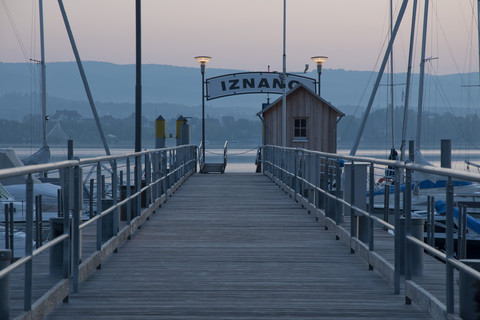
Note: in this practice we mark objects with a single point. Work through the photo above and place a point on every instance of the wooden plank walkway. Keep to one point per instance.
(233, 246)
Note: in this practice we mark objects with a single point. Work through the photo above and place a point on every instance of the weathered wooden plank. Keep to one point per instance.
(233, 246)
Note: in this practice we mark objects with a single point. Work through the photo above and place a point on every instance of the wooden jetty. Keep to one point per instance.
(234, 246)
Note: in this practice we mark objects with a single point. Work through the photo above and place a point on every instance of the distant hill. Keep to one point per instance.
(170, 89)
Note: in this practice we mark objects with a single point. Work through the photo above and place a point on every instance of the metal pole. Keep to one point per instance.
(138, 86)
(91, 198)
(353, 220)
(115, 196)
(128, 193)
(409, 76)
(449, 249)
(370, 207)
(379, 78)
(478, 33)
(202, 69)
(12, 242)
(76, 227)
(84, 77)
(44, 81)
(29, 245)
(5, 260)
(284, 77)
(391, 76)
(446, 153)
(37, 223)
(408, 229)
(396, 280)
(422, 77)
(69, 149)
(447, 163)
(66, 223)
(408, 211)
(7, 225)
(99, 208)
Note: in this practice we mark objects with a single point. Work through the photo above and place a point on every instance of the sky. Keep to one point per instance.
(243, 35)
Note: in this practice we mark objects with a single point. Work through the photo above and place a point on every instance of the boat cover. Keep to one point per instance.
(472, 223)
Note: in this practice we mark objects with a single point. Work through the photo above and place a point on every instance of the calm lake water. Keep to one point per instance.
(243, 160)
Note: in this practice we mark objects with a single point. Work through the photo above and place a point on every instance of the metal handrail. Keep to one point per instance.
(225, 153)
(290, 167)
(163, 169)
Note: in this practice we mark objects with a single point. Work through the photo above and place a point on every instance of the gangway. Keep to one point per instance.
(213, 167)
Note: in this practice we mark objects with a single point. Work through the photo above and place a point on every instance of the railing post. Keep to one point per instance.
(66, 223)
(5, 258)
(295, 178)
(325, 188)
(115, 196)
(138, 184)
(353, 220)
(371, 190)
(99, 209)
(449, 247)
(338, 193)
(7, 227)
(76, 227)
(468, 291)
(29, 245)
(397, 239)
(164, 175)
(148, 178)
(128, 193)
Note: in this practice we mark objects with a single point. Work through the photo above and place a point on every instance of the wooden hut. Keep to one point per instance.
(311, 121)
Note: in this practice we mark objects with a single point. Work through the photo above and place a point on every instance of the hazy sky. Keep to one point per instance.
(244, 34)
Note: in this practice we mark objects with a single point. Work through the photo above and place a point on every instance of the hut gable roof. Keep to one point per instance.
(297, 88)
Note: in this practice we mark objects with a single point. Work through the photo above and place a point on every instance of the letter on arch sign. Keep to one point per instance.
(253, 82)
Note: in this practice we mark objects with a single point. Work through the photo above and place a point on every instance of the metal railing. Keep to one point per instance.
(225, 150)
(314, 178)
(155, 175)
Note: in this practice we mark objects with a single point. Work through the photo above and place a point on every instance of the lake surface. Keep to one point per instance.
(243, 160)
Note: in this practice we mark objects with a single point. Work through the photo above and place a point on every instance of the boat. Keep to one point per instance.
(423, 186)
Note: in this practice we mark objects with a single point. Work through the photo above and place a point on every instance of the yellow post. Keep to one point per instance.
(160, 132)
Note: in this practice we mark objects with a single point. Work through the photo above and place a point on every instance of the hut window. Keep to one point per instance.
(300, 128)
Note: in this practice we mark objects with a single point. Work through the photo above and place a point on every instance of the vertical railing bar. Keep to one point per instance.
(464, 231)
(40, 217)
(91, 197)
(99, 209)
(397, 239)
(128, 193)
(295, 179)
(138, 182)
(408, 214)
(449, 247)
(76, 228)
(37, 223)
(115, 196)
(325, 186)
(147, 179)
(29, 245)
(164, 174)
(353, 220)
(371, 210)
(338, 188)
(7, 227)
(66, 223)
(12, 225)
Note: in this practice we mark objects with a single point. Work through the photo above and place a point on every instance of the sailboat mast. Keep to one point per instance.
(391, 76)
(43, 74)
(478, 34)
(353, 151)
(407, 86)
(422, 77)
